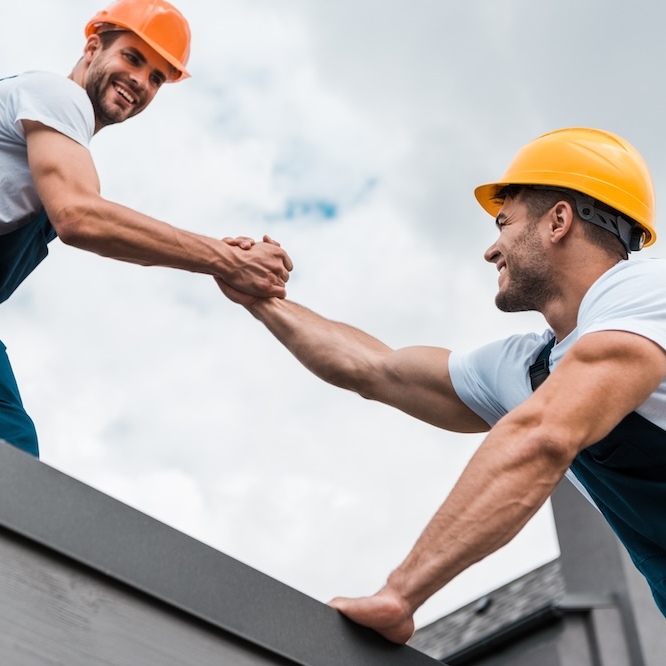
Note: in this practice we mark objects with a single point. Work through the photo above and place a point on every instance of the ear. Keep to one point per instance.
(92, 47)
(560, 221)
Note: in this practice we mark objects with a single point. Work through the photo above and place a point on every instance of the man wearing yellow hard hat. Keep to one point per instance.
(584, 398)
(49, 186)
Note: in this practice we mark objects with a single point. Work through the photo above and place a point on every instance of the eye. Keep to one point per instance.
(156, 80)
(131, 58)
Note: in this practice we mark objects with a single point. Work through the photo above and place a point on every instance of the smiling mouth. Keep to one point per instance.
(125, 94)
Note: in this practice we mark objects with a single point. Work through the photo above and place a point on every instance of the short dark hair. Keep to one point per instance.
(108, 37)
(539, 200)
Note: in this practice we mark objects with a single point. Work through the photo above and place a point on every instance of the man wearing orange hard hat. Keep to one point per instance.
(49, 186)
(585, 398)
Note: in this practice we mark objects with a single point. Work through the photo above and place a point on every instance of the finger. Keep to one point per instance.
(278, 291)
(287, 262)
(268, 239)
(339, 603)
(244, 242)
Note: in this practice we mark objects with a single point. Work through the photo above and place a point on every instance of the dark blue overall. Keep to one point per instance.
(20, 253)
(625, 474)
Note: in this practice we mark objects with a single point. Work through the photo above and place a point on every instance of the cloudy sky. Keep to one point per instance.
(354, 132)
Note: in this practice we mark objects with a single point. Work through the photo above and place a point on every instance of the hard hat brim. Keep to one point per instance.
(486, 195)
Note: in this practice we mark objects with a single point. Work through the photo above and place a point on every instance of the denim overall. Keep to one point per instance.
(625, 474)
(20, 252)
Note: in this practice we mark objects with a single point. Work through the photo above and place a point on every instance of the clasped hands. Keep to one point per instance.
(255, 270)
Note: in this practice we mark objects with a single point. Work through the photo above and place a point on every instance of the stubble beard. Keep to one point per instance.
(526, 292)
(105, 112)
(531, 284)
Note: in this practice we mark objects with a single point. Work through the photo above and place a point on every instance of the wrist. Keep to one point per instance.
(262, 308)
(398, 587)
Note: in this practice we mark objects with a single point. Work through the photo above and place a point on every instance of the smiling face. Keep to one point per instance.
(526, 282)
(122, 78)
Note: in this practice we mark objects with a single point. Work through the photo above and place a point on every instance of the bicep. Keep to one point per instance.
(602, 378)
(416, 380)
(62, 169)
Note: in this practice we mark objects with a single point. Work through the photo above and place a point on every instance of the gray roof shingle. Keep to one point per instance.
(536, 590)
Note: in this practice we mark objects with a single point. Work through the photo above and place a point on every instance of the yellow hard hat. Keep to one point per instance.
(157, 22)
(596, 163)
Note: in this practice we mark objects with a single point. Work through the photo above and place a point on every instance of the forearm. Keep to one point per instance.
(413, 379)
(337, 353)
(114, 231)
(500, 490)
(111, 230)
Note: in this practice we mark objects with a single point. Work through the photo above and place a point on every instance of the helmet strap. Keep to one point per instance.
(631, 235)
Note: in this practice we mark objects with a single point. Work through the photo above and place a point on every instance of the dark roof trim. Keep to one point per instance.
(74, 520)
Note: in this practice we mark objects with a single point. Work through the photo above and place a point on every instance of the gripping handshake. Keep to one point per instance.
(262, 270)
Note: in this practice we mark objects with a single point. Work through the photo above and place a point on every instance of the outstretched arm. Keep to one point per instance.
(415, 379)
(68, 186)
(604, 376)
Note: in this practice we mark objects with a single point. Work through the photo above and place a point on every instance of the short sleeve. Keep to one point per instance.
(56, 102)
(493, 379)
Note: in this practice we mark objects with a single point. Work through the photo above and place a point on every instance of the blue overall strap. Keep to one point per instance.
(625, 474)
(539, 370)
(22, 250)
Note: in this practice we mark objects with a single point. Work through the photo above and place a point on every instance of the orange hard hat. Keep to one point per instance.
(157, 22)
(600, 164)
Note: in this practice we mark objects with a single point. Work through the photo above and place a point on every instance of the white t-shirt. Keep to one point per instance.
(631, 296)
(51, 99)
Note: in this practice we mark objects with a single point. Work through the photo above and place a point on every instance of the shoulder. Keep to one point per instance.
(629, 297)
(630, 270)
(632, 281)
(43, 84)
(53, 100)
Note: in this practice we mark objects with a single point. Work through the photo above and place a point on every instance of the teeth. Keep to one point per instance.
(124, 94)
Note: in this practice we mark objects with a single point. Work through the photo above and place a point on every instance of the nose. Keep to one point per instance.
(492, 254)
(140, 79)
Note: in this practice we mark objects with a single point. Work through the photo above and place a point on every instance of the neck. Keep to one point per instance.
(77, 73)
(78, 76)
(562, 313)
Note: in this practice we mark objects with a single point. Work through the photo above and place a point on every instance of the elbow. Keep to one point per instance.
(541, 441)
(342, 376)
(352, 377)
(556, 446)
(71, 223)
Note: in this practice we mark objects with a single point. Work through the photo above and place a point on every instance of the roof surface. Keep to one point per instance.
(488, 615)
(94, 531)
